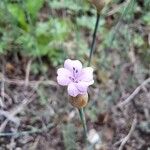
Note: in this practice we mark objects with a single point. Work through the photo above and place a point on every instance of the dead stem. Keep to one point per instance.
(125, 139)
(136, 91)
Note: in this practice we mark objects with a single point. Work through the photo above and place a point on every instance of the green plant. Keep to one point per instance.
(36, 38)
(69, 137)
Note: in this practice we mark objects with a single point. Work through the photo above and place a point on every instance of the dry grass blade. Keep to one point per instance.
(31, 83)
(2, 87)
(135, 92)
(3, 125)
(10, 115)
(28, 72)
(117, 8)
(124, 140)
(39, 130)
(129, 4)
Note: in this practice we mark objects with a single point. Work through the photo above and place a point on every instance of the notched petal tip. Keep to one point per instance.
(73, 65)
(91, 82)
(86, 74)
(88, 69)
(63, 81)
(63, 76)
(63, 71)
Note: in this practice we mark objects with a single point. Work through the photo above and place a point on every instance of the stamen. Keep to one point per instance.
(72, 79)
(75, 71)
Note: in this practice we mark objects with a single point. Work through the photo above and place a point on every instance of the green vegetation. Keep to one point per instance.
(23, 29)
(49, 31)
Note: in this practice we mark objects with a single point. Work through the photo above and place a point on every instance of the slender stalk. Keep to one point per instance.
(81, 111)
(94, 38)
(82, 117)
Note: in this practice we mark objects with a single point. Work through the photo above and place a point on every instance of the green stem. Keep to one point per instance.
(82, 117)
(81, 111)
(94, 38)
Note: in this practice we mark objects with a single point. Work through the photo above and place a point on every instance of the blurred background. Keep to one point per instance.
(36, 36)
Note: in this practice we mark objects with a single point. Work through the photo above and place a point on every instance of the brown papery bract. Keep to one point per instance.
(99, 4)
(79, 101)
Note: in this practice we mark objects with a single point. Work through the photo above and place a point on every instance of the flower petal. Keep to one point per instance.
(63, 71)
(82, 87)
(63, 76)
(63, 81)
(90, 82)
(73, 64)
(72, 90)
(86, 74)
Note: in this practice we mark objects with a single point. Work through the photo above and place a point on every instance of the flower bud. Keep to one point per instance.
(79, 101)
(99, 4)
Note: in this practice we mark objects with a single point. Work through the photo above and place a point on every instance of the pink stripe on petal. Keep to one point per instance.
(72, 90)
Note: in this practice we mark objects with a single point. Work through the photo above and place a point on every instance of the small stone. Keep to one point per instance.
(18, 148)
(93, 136)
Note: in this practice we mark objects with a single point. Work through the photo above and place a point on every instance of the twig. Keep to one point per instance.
(125, 139)
(28, 72)
(3, 125)
(3, 85)
(33, 131)
(149, 39)
(35, 144)
(8, 98)
(118, 142)
(117, 8)
(118, 25)
(10, 115)
(31, 83)
(136, 91)
(7, 134)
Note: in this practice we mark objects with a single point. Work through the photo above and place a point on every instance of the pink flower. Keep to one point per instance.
(75, 77)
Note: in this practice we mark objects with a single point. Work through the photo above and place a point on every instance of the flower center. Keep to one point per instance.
(73, 79)
(75, 75)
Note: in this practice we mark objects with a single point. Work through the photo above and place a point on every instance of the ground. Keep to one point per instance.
(35, 113)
